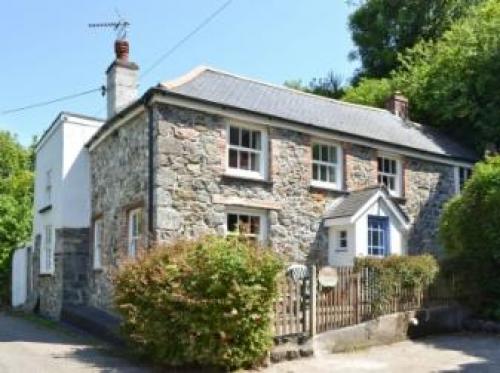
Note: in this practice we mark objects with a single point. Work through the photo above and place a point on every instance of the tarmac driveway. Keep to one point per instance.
(33, 347)
(39, 347)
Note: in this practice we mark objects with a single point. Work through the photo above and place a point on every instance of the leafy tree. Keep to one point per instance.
(330, 86)
(453, 82)
(371, 92)
(16, 195)
(470, 234)
(381, 29)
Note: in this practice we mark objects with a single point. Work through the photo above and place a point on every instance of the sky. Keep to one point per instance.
(48, 51)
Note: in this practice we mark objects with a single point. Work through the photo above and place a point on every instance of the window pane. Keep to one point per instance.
(323, 173)
(332, 177)
(234, 135)
(255, 162)
(244, 224)
(393, 166)
(386, 165)
(315, 172)
(233, 158)
(333, 155)
(232, 222)
(379, 162)
(245, 138)
(391, 184)
(316, 152)
(324, 153)
(244, 160)
(256, 140)
(255, 225)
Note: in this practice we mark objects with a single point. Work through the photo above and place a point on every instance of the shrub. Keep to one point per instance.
(204, 302)
(389, 274)
(470, 233)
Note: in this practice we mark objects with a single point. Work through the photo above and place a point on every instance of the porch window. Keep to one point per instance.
(378, 235)
(342, 241)
(246, 151)
(389, 174)
(97, 243)
(48, 187)
(249, 225)
(326, 165)
(47, 251)
(134, 231)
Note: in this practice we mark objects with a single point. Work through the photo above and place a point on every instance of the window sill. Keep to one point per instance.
(240, 177)
(325, 187)
(46, 274)
(397, 199)
(45, 209)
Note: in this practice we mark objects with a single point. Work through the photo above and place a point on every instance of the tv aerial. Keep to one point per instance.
(119, 26)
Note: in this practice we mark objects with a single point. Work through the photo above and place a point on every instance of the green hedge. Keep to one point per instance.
(470, 232)
(202, 303)
(393, 272)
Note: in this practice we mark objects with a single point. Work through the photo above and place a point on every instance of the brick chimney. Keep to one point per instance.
(398, 105)
(122, 77)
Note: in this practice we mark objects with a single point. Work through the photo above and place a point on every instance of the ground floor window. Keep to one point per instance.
(97, 243)
(378, 235)
(134, 231)
(247, 224)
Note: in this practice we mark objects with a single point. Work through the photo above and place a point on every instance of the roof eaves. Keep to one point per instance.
(166, 92)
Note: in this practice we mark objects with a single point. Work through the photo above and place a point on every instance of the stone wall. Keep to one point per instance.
(427, 186)
(191, 150)
(69, 283)
(119, 178)
(360, 166)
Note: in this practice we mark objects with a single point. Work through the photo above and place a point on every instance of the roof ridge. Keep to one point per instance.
(202, 68)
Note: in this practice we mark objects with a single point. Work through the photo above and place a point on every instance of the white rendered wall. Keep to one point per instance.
(338, 257)
(63, 152)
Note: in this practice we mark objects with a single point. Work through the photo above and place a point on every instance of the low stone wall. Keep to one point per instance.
(383, 330)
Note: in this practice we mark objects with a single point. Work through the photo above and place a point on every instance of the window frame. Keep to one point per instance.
(385, 229)
(97, 244)
(47, 254)
(48, 187)
(261, 174)
(339, 165)
(262, 214)
(398, 176)
(457, 177)
(342, 240)
(134, 239)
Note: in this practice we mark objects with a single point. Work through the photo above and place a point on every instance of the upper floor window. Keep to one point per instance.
(326, 165)
(247, 224)
(246, 151)
(462, 174)
(97, 243)
(47, 251)
(389, 174)
(48, 187)
(134, 231)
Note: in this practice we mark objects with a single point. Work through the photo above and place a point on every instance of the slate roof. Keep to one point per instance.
(349, 205)
(365, 122)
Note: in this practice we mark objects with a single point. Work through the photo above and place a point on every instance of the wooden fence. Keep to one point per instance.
(304, 307)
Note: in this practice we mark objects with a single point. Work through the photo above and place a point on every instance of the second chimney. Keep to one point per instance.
(398, 105)
(122, 76)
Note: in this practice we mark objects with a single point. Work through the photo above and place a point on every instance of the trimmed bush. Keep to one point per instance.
(389, 274)
(470, 232)
(204, 302)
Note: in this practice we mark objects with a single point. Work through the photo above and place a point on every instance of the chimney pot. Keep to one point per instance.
(398, 105)
(121, 50)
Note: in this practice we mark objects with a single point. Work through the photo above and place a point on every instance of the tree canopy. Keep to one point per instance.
(16, 196)
(382, 29)
(330, 86)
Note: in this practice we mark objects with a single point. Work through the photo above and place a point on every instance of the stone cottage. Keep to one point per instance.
(313, 178)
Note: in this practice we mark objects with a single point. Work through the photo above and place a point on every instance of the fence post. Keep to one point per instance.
(312, 309)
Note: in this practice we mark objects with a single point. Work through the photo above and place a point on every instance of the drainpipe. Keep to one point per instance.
(150, 111)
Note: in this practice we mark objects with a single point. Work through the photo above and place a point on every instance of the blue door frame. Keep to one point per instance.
(383, 221)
